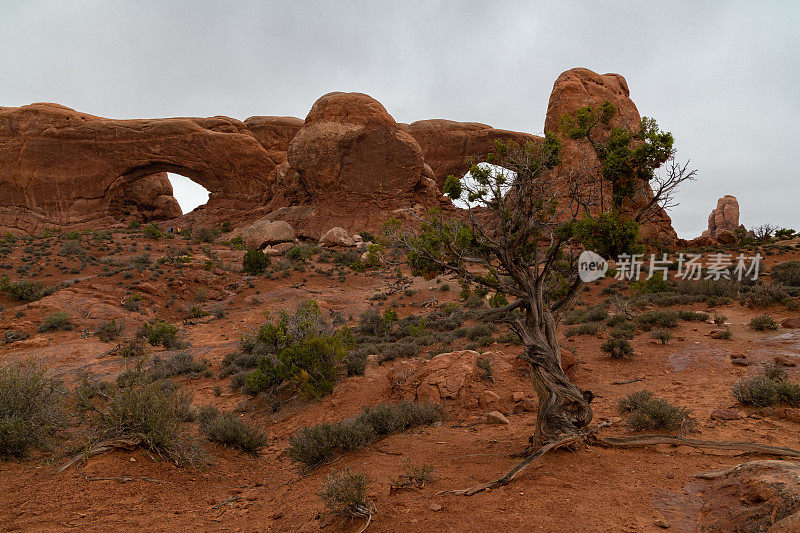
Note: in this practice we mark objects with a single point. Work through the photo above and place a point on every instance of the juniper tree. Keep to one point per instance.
(528, 217)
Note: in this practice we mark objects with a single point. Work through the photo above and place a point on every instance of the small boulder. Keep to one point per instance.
(336, 237)
(496, 418)
(264, 232)
(725, 414)
(725, 237)
(490, 400)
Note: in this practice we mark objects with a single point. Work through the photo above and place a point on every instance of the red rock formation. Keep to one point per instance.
(60, 167)
(274, 134)
(578, 88)
(149, 198)
(450, 147)
(724, 218)
(350, 165)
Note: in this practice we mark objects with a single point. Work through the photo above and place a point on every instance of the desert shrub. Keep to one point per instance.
(583, 316)
(301, 350)
(140, 262)
(653, 285)
(769, 387)
(618, 348)
(787, 273)
(356, 363)
(197, 311)
(109, 330)
(661, 319)
(663, 335)
(624, 329)
(399, 350)
(725, 334)
(475, 301)
(13, 335)
(132, 302)
(31, 408)
(152, 231)
(207, 235)
(589, 328)
(176, 364)
(690, 316)
(646, 411)
(413, 476)
(161, 333)
(133, 347)
(763, 323)
(720, 319)
(345, 493)
(236, 362)
(255, 262)
(313, 445)
(229, 429)
(485, 364)
(764, 295)
(150, 413)
(24, 290)
(498, 300)
(58, 321)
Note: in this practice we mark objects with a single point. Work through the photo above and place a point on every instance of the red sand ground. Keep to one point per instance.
(592, 489)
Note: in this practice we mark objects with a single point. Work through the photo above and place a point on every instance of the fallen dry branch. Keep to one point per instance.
(100, 448)
(650, 440)
(634, 441)
(121, 479)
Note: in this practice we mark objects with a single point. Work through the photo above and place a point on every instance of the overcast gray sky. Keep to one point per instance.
(722, 76)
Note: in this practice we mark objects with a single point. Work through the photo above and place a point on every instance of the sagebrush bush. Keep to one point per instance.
(660, 319)
(763, 323)
(31, 408)
(177, 364)
(151, 412)
(787, 273)
(58, 321)
(647, 411)
(693, 316)
(229, 429)
(589, 328)
(663, 335)
(313, 445)
(413, 476)
(769, 387)
(345, 493)
(618, 348)
(109, 330)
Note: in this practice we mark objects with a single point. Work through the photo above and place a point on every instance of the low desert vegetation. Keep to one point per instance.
(230, 430)
(161, 333)
(313, 445)
(770, 387)
(414, 476)
(644, 410)
(617, 348)
(109, 330)
(345, 494)
(763, 323)
(255, 262)
(58, 321)
(24, 290)
(32, 408)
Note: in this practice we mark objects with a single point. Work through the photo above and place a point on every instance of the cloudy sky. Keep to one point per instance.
(722, 76)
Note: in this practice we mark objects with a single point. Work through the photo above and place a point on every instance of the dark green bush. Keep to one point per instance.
(646, 411)
(158, 332)
(255, 262)
(31, 408)
(763, 323)
(299, 349)
(152, 231)
(313, 445)
(24, 290)
(663, 335)
(58, 321)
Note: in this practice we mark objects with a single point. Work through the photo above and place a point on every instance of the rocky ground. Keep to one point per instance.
(131, 278)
